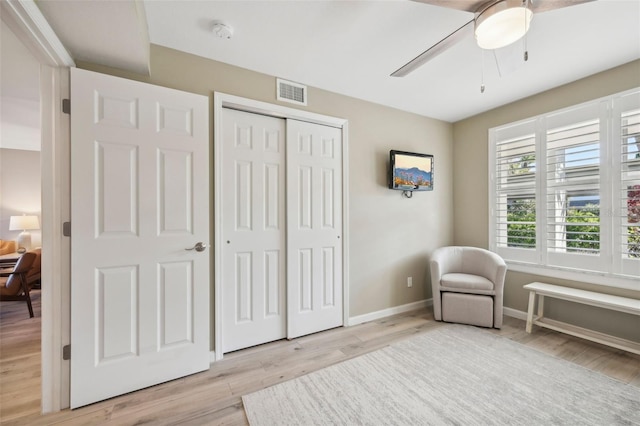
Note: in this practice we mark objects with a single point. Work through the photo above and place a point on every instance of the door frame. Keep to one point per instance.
(24, 18)
(223, 100)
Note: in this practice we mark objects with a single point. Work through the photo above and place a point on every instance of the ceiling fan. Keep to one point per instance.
(496, 23)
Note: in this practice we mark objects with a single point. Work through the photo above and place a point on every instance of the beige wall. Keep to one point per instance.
(19, 190)
(391, 237)
(470, 153)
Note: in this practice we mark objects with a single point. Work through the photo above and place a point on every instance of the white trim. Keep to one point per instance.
(31, 27)
(24, 18)
(578, 275)
(212, 357)
(514, 313)
(272, 110)
(372, 316)
(223, 100)
(217, 225)
(345, 222)
(56, 249)
(143, 25)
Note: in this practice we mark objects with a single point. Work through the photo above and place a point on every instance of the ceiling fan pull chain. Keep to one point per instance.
(525, 4)
(482, 73)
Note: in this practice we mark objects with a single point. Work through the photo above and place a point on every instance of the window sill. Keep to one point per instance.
(602, 279)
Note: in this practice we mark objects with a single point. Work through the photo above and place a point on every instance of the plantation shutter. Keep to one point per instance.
(564, 192)
(630, 184)
(573, 200)
(514, 188)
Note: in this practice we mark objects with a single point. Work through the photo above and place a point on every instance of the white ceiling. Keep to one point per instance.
(109, 32)
(351, 47)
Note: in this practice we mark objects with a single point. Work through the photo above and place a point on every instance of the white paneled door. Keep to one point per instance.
(253, 217)
(140, 199)
(281, 228)
(314, 231)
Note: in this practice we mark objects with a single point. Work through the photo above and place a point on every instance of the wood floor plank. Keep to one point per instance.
(232, 416)
(214, 397)
(20, 362)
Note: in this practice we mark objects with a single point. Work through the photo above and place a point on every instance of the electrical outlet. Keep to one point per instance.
(409, 281)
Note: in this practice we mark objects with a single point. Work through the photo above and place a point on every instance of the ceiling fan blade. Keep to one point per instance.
(476, 5)
(466, 5)
(539, 6)
(435, 50)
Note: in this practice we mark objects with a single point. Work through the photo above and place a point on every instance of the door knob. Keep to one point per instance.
(198, 247)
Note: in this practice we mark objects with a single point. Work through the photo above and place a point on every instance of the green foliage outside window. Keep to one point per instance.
(521, 230)
(634, 242)
(583, 236)
(521, 234)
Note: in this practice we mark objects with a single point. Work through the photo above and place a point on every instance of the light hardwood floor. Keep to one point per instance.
(214, 397)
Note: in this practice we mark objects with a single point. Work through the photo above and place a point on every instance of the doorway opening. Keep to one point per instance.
(20, 194)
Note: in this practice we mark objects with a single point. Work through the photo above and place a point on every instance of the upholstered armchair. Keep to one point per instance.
(13, 281)
(7, 247)
(33, 276)
(468, 285)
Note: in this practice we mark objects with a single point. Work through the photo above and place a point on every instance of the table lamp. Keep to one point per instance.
(24, 223)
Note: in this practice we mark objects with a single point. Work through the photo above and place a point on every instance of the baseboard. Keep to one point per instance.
(514, 313)
(372, 316)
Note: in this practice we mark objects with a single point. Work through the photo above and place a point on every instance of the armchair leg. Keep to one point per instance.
(29, 306)
(27, 296)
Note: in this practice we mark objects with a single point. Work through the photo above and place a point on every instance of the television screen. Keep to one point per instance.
(410, 171)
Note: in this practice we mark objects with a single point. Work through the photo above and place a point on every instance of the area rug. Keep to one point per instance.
(453, 375)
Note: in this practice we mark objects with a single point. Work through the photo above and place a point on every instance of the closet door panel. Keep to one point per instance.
(253, 218)
(314, 230)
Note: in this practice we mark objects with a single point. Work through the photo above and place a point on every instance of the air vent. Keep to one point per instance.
(289, 91)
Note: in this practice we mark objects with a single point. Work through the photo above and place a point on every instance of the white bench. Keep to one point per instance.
(616, 303)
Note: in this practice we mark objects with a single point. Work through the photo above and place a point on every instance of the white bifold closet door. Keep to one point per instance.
(314, 228)
(281, 224)
(253, 217)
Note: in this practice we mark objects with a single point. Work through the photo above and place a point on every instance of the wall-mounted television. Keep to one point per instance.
(410, 171)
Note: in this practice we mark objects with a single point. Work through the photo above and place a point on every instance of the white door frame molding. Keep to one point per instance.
(222, 100)
(56, 248)
(31, 27)
(24, 18)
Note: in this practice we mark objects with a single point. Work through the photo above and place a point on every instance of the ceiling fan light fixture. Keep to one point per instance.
(502, 23)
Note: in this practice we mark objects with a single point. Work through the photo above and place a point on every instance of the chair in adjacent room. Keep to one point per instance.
(7, 247)
(468, 285)
(33, 276)
(13, 281)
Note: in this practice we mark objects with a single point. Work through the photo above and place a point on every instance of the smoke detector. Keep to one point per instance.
(222, 30)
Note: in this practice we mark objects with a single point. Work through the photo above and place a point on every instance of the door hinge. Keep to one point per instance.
(66, 229)
(66, 352)
(66, 106)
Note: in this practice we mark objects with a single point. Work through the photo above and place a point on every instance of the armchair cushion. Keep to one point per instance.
(453, 281)
(467, 309)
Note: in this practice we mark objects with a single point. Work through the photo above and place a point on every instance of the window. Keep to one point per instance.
(630, 183)
(565, 189)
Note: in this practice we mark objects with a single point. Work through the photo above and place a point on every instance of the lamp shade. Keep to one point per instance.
(22, 223)
(502, 24)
